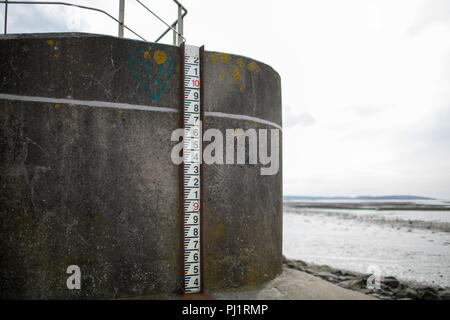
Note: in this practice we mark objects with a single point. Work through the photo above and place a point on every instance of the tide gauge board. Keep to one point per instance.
(191, 175)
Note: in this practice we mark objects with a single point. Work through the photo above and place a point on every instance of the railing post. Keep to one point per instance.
(174, 37)
(180, 24)
(121, 17)
(6, 16)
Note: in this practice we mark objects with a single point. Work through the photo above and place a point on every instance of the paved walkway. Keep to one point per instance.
(290, 285)
(294, 285)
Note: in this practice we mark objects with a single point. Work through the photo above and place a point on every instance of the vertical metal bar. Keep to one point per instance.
(180, 25)
(121, 17)
(174, 37)
(202, 170)
(6, 16)
(181, 176)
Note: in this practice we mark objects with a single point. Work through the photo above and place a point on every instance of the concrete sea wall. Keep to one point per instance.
(86, 177)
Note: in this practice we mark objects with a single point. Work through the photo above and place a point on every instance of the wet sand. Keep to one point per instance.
(411, 245)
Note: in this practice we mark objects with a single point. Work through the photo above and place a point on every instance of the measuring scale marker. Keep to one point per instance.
(191, 172)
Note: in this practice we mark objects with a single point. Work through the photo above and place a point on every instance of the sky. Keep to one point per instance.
(365, 83)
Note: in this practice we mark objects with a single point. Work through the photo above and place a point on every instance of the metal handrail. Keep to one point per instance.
(6, 15)
(178, 22)
(180, 18)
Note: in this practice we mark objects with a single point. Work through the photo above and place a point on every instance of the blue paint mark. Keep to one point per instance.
(152, 78)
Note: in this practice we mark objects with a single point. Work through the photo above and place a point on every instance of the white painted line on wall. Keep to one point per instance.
(117, 105)
(101, 104)
(241, 117)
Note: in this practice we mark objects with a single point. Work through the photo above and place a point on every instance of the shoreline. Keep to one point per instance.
(374, 218)
(391, 288)
(368, 205)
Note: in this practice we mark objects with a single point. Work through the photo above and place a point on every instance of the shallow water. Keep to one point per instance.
(401, 243)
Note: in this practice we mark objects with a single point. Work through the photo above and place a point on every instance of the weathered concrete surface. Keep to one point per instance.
(244, 247)
(85, 187)
(243, 209)
(95, 187)
(247, 86)
(80, 185)
(87, 67)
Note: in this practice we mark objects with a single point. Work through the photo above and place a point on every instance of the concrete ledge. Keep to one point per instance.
(290, 285)
(294, 285)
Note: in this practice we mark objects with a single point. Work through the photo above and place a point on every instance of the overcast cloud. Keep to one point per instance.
(365, 84)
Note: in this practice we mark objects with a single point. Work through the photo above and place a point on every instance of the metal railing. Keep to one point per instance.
(178, 37)
(182, 11)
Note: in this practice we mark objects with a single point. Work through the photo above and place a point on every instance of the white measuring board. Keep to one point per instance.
(191, 156)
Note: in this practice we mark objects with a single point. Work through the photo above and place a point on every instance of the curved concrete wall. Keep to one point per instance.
(86, 175)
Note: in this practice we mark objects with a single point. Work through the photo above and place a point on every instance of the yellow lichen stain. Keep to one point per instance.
(54, 45)
(252, 66)
(241, 255)
(236, 75)
(120, 111)
(224, 57)
(240, 63)
(57, 106)
(177, 68)
(255, 124)
(159, 56)
(221, 75)
(213, 57)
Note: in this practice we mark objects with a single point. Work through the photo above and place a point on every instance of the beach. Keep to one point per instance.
(408, 240)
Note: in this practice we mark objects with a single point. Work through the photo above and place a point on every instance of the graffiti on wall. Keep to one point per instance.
(152, 69)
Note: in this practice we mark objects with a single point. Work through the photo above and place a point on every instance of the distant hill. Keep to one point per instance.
(388, 197)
